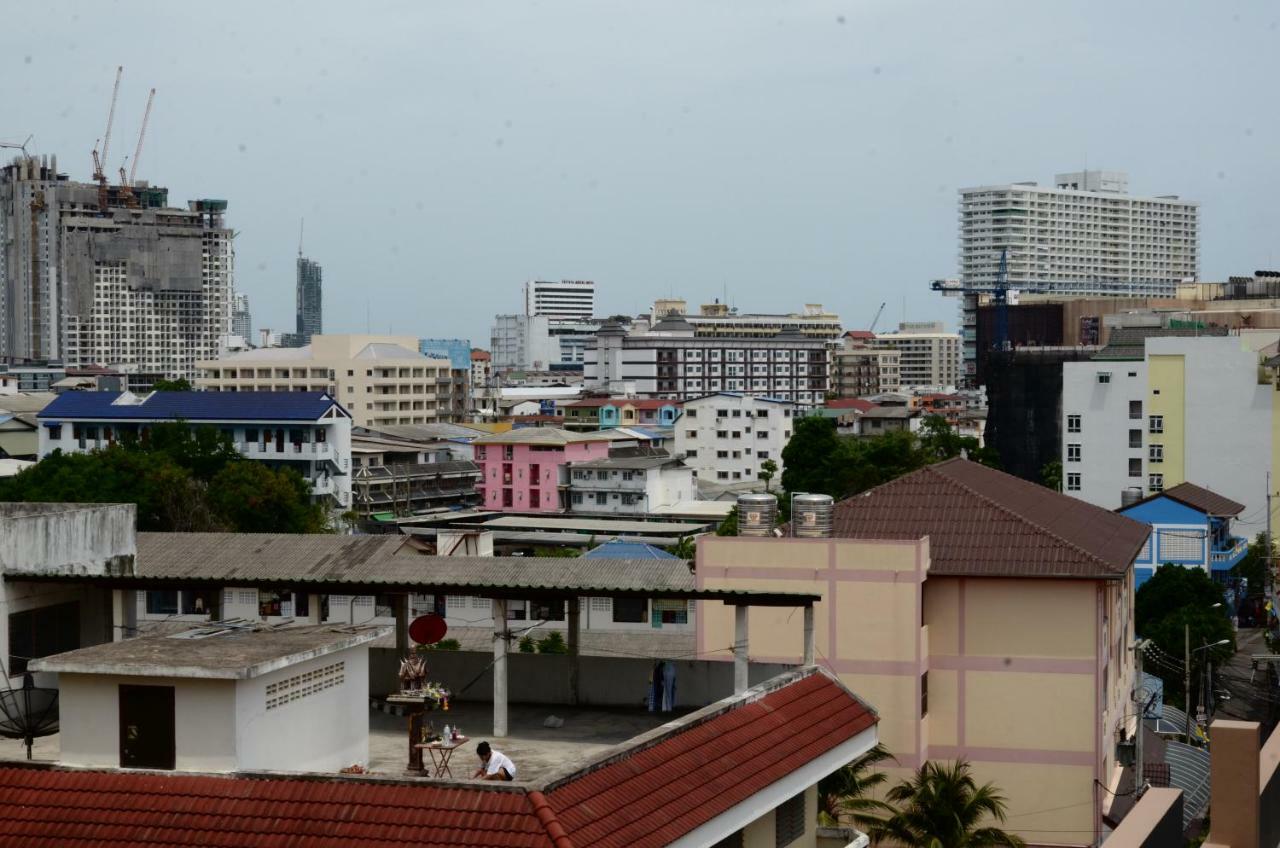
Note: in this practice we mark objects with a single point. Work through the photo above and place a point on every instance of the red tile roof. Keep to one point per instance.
(478, 355)
(983, 522)
(1196, 497)
(859, 334)
(644, 793)
(850, 403)
(659, 794)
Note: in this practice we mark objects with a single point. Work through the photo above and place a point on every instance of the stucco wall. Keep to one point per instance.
(69, 538)
(323, 731)
(204, 716)
(18, 596)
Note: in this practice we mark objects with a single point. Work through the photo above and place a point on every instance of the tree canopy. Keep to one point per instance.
(820, 461)
(1174, 598)
(181, 479)
(942, 805)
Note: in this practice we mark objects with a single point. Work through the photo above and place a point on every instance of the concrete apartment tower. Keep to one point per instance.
(241, 318)
(97, 274)
(310, 313)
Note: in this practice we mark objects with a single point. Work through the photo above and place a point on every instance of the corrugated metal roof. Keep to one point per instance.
(192, 406)
(618, 549)
(984, 522)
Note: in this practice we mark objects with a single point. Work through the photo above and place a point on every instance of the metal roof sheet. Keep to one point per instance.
(192, 406)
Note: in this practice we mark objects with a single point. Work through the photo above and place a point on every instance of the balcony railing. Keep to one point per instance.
(1236, 551)
(290, 450)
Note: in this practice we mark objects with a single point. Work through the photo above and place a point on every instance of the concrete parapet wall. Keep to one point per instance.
(1269, 796)
(1155, 822)
(89, 539)
(544, 678)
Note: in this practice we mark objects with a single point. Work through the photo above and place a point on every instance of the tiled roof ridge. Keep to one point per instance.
(546, 815)
(673, 728)
(1014, 515)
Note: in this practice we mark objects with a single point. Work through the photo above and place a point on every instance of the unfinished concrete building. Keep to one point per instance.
(109, 275)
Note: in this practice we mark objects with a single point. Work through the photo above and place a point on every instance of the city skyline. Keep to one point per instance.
(771, 155)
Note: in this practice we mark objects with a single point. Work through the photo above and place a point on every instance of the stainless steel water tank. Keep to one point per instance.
(811, 515)
(756, 513)
(1130, 496)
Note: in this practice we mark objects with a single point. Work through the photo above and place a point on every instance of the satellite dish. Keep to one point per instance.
(428, 629)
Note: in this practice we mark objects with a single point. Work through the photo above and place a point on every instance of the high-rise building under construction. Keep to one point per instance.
(97, 274)
(310, 320)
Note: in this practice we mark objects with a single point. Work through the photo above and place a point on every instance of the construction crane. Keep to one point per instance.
(23, 146)
(99, 177)
(999, 293)
(142, 134)
(876, 320)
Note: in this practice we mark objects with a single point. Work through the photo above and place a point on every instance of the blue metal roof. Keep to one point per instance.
(192, 406)
(618, 549)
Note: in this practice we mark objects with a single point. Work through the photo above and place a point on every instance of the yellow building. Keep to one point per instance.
(984, 617)
(380, 380)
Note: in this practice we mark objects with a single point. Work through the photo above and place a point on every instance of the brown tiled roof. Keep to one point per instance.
(986, 523)
(1196, 497)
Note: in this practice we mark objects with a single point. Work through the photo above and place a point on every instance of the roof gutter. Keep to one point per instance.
(542, 809)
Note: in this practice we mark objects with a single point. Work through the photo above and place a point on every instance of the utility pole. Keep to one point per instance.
(1268, 583)
(1186, 682)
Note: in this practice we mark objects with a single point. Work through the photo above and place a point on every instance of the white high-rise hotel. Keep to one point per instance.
(1084, 236)
(565, 300)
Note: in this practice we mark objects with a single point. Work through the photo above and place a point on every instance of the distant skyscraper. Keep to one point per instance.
(241, 321)
(566, 300)
(309, 299)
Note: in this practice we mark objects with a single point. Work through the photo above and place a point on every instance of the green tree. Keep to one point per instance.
(253, 498)
(813, 457)
(1174, 598)
(939, 441)
(202, 449)
(942, 806)
(182, 384)
(1253, 568)
(552, 643)
(686, 548)
(729, 526)
(768, 469)
(846, 795)
(1051, 475)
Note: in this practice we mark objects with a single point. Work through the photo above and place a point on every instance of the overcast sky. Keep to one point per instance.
(782, 152)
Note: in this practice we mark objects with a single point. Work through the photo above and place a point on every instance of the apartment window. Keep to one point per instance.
(1135, 467)
(507, 452)
(1155, 424)
(1073, 423)
(789, 821)
(631, 610)
(691, 454)
(602, 498)
(692, 434)
(1156, 453)
(722, 413)
(1135, 438)
(1135, 410)
(628, 475)
(724, 454)
(577, 498)
(924, 694)
(1073, 482)
(162, 602)
(480, 452)
(692, 413)
(1155, 483)
(762, 454)
(1104, 376)
(722, 475)
(737, 413)
(55, 432)
(722, 434)
(1073, 453)
(42, 632)
(507, 498)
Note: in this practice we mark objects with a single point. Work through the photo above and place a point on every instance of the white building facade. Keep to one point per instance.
(928, 355)
(726, 437)
(1199, 410)
(671, 362)
(563, 300)
(630, 481)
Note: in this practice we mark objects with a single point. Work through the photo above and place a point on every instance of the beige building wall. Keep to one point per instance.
(377, 388)
(1027, 679)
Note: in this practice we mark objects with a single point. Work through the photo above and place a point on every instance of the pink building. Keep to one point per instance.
(523, 470)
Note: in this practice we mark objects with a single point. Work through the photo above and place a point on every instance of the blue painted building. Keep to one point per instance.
(1190, 526)
(457, 351)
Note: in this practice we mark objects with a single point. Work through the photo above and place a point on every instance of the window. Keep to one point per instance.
(924, 694)
(1155, 424)
(1135, 410)
(602, 498)
(42, 632)
(507, 452)
(762, 434)
(631, 610)
(692, 434)
(628, 475)
(1155, 483)
(691, 454)
(1073, 453)
(1156, 453)
(692, 413)
(1073, 482)
(1073, 423)
(576, 498)
(162, 602)
(1104, 376)
(722, 434)
(55, 431)
(762, 454)
(1135, 438)
(724, 454)
(1135, 467)
(480, 452)
(737, 413)
(722, 475)
(553, 611)
(789, 821)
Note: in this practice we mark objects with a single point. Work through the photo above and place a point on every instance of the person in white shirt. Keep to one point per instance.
(494, 765)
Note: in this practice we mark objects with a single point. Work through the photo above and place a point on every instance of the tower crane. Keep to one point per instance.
(99, 177)
(876, 320)
(142, 134)
(998, 291)
(14, 146)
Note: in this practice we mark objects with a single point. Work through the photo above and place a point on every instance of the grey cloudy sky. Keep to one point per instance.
(785, 152)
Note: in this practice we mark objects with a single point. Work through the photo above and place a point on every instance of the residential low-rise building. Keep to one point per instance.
(309, 432)
(887, 419)
(1190, 526)
(401, 476)
(595, 413)
(859, 371)
(930, 356)
(523, 470)
(726, 437)
(378, 379)
(629, 481)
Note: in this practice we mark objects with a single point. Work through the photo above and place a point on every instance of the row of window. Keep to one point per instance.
(1155, 481)
(1155, 423)
(1155, 453)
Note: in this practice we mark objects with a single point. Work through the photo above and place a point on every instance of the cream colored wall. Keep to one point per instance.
(762, 833)
(204, 714)
(1029, 618)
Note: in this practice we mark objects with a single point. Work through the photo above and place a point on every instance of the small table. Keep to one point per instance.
(441, 753)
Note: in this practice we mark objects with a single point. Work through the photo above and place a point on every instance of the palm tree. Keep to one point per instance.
(941, 806)
(846, 793)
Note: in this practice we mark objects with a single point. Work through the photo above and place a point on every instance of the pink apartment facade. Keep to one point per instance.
(524, 470)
